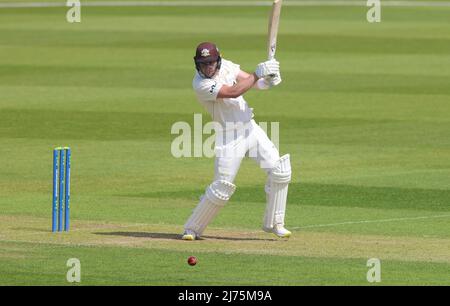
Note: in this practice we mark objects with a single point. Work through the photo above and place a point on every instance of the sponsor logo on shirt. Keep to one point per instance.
(213, 87)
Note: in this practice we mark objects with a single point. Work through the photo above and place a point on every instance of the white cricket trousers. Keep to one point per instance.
(232, 146)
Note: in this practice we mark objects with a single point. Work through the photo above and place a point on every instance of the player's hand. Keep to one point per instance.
(267, 68)
(274, 80)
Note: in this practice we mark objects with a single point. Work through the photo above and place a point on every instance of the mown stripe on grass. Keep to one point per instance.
(230, 3)
(102, 76)
(98, 125)
(298, 42)
(333, 195)
(51, 124)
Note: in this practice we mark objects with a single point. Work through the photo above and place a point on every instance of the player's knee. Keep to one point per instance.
(281, 172)
(220, 191)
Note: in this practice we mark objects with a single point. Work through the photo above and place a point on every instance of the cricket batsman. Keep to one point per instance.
(219, 85)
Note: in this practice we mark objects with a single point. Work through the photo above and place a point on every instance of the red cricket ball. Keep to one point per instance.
(192, 260)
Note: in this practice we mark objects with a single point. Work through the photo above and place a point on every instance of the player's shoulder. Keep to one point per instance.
(228, 67)
(199, 83)
(228, 64)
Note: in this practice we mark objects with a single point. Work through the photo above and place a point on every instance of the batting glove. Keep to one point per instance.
(274, 80)
(267, 68)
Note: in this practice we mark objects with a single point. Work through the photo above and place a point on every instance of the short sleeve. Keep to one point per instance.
(207, 89)
(235, 69)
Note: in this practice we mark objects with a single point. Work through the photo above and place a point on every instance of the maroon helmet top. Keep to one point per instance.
(206, 52)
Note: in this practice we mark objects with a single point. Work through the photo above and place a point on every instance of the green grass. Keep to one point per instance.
(363, 111)
(214, 268)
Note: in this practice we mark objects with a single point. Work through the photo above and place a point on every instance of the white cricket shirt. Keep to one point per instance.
(222, 110)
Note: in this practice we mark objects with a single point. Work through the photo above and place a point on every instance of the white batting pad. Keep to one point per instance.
(277, 190)
(216, 196)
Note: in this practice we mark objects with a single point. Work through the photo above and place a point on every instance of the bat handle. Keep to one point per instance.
(271, 53)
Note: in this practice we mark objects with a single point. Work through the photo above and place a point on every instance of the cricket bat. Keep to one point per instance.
(274, 21)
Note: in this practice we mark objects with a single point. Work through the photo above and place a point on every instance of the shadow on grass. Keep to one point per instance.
(239, 239)
(143, 235)
(176, 236)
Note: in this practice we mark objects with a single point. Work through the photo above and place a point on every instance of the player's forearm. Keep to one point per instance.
(245, 84)
(238, 89)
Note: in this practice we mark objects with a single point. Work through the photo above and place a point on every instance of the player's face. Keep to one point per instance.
(209, 68)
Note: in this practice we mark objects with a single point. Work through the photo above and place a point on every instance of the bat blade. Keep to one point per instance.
(274, 21)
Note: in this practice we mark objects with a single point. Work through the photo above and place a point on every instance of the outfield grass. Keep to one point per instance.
(363, 111)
